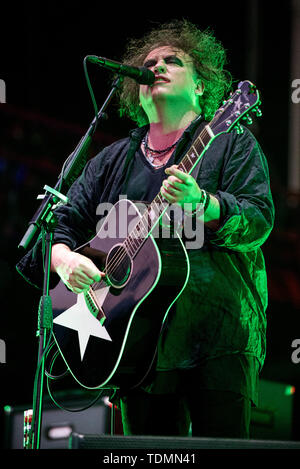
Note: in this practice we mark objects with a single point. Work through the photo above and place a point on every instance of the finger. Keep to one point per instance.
(90, 270)
(78, 290)
(173, 181)
(166, 186)
(91, 276)
(75, 282)
(98, 275)
(172, 184)
(78, 277)
(168, 196)
(74, 288)
(173, 170)
(168, 189)
(86, 279)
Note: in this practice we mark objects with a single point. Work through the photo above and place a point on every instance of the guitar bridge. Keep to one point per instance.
(93, 307)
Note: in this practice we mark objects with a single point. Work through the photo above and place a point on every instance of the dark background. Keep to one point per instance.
(48, 109)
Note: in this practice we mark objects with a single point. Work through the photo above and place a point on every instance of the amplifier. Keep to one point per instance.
(58, 424)
(272, 419)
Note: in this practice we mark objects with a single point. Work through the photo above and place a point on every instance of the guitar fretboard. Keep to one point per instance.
(158, 206)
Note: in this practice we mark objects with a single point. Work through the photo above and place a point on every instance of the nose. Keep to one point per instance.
(160, 68)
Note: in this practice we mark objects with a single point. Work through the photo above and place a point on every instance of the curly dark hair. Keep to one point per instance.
(208, 56)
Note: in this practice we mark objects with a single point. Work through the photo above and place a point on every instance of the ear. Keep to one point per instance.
(199, 88)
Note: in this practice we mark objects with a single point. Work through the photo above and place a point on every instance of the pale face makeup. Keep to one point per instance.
(176, 84)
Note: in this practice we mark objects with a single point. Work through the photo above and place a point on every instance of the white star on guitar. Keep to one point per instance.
(79, 318)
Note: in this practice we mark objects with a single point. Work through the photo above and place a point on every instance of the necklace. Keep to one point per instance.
(151, 154)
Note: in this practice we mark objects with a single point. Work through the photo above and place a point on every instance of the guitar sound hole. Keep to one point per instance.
(118, 266)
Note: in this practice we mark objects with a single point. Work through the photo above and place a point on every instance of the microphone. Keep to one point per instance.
(141, 74)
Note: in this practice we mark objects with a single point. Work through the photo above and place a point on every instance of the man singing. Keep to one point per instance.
(213, 345)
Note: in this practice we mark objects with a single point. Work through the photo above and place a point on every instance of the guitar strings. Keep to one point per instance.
(134, 241)
(122, 252)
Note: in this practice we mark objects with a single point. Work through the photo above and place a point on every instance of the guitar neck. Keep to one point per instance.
(158, 206)
(194, 154)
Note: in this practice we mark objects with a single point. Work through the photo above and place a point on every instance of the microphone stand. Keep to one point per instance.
(44, 220)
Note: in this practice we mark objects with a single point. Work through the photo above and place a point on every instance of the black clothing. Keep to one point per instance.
(222, 310)
(214, 414)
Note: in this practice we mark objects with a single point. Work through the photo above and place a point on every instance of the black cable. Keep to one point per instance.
(48, 374)
(90, 87)
(51, 377)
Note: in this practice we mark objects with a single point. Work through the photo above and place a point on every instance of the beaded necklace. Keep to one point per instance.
(152, 154)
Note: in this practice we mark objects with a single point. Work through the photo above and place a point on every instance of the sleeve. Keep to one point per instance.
(247, 209)
(76, 222)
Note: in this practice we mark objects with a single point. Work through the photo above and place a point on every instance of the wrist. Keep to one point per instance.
(59, 252)
(201, 205)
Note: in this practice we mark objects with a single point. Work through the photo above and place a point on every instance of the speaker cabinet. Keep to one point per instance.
(272, 419)
(58, 424)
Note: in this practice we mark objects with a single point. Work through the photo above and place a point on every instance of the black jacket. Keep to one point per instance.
(222, 310)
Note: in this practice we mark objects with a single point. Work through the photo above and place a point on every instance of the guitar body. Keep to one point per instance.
(116, 346)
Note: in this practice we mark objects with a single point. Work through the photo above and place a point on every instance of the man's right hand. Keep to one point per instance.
(76, 271)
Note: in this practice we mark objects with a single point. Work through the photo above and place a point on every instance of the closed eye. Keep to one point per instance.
(150, 63)
(168, 60)
(173, 59)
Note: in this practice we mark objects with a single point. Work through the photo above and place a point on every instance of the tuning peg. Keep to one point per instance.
(239, 128)
(258, 112)
(248, 119)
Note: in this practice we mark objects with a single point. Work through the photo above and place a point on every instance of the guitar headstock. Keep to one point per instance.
(238, 107)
